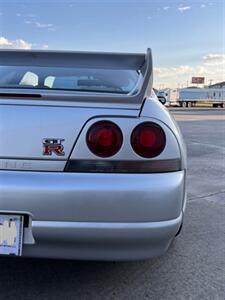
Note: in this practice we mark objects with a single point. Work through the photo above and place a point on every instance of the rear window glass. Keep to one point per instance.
(58, 78)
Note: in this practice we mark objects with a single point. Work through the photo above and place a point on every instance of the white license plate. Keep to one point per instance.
(11, 234)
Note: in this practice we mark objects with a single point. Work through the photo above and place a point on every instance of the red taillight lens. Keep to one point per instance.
(148, 140)
(104, 138)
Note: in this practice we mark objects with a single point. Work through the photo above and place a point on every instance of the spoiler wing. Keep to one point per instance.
(101, 60)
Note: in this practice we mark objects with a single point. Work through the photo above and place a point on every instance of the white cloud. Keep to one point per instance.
(43, 25)
(184, 8)
(14, 44)
(166, 7)
(211, 67)
(45, 46)
(185, 70)
(51, 29)
(20, 44)
(37, 24)
(173, 71)
(214, 59)
(203, 6)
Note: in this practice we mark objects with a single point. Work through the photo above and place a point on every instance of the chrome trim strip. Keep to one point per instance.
(32, 165)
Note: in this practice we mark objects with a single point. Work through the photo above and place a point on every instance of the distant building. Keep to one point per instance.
(218, 85)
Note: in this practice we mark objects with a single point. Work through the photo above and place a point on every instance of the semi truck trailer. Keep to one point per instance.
(189, 97)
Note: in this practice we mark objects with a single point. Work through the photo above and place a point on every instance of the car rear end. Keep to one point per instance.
(91, 165)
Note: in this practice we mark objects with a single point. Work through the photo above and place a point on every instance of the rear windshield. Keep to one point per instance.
(59, 78)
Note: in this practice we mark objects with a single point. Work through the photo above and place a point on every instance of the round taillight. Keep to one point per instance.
(104, 138)
(148, 139)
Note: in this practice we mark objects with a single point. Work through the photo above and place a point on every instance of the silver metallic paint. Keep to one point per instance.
(88, 216)
(83, 197)
(102, 241)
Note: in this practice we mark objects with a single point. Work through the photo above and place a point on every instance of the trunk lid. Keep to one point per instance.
(24, 127)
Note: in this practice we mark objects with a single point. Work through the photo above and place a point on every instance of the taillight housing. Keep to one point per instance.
(148, 139)
(104, 138)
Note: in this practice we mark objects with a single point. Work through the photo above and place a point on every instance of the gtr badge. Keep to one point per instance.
(53, 146)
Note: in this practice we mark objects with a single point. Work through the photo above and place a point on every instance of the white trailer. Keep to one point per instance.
(191, 96)
(170, 95)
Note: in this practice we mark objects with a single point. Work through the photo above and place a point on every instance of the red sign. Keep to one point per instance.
(198, 80)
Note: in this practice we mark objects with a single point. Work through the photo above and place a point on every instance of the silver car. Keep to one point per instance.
(92, 166)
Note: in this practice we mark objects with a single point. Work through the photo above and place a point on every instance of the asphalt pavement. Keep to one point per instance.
(193, 268)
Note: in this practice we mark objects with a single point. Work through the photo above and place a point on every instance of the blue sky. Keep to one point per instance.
(187, 37)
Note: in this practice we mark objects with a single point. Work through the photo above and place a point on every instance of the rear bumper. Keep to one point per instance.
(101, 241)
(95, 216)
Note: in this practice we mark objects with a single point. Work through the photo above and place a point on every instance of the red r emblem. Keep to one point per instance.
(53, 146)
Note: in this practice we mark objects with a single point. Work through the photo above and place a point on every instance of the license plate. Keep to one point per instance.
(11, 234)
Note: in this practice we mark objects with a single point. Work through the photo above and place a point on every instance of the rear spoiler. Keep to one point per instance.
(101, 60)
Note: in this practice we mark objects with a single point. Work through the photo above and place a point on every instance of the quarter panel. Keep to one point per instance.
(153, 108)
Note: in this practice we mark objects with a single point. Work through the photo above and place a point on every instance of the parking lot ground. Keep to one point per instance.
(193, 268)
